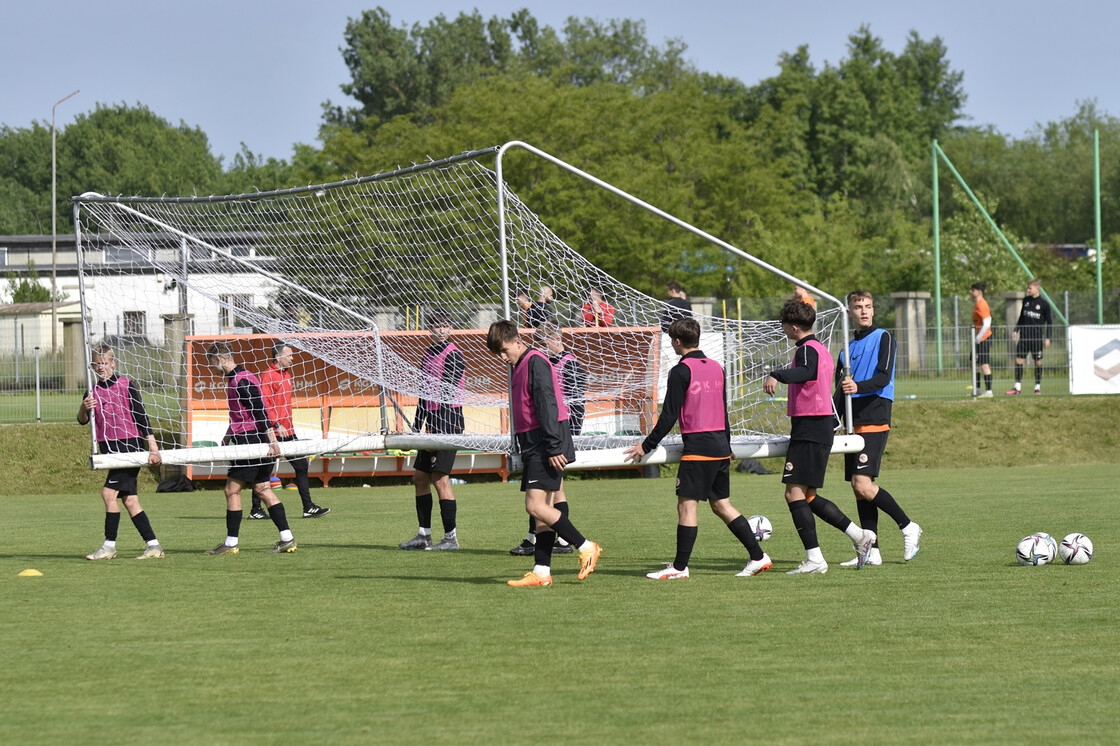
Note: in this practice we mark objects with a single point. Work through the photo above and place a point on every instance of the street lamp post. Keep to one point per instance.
(54, 237)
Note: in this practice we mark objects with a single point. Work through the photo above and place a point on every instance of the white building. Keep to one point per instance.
(127, 297)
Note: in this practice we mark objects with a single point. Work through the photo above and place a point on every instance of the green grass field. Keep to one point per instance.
(351, 640)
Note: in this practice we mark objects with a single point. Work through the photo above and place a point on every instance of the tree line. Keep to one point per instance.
(823, 171)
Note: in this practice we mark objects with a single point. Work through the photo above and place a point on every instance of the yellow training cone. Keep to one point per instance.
(31, 573)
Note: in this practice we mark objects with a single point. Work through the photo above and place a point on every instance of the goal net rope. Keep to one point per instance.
(350, 275)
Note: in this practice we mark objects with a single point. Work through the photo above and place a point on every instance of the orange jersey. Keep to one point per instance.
(980, 311)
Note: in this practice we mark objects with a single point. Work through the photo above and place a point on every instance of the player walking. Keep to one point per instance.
(248, 424)
(444, 377)
(697, 397)
(812, 429)
(871, 385)
(540, 420)
(277, 390)
(121, 426)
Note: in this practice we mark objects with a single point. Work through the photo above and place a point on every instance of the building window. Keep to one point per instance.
(135, 324)
(229, 316)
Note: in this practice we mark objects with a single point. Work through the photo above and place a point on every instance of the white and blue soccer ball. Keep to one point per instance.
(761, 527)
(1036, 550)
(1076, 549)
(1049, 540)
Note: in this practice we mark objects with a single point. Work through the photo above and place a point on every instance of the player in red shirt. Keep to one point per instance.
(277, 390)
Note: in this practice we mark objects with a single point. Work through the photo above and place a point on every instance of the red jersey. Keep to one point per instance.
(276, 390)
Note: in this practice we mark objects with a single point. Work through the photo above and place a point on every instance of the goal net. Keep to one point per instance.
(350, 275)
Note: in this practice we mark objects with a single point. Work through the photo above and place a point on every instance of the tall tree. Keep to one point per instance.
(25, 178)
(123, 149)
(398, 71)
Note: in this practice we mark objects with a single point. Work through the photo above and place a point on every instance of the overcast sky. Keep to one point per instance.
(257, 71)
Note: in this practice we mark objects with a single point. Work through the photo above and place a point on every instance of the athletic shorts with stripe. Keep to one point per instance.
(704, 480)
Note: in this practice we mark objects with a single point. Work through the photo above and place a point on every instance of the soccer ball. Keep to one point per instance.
(1076, 549)
(761, 527)
(1035, 550)
(1049, 540)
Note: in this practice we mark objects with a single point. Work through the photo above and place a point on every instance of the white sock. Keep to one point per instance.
(814, 554)
(531, 538)
(111, 544)
(1018, 386)
(560, 542)
(286, 535)
(587, 544)
(153, 543)
(854, 532)
(449, 534)
(542, 571)
(874, 555)
(231, 541)
(425, 532)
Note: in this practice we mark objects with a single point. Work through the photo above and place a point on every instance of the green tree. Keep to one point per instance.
(972, 252)
(113, 150)
(132, 151)
(675, 148)
(28, 289)
(25, 178)
(250, 172)
(398, 71)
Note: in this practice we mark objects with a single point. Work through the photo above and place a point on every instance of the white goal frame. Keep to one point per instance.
(743, 447)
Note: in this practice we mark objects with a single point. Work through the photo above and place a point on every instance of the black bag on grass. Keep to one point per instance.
(176, 484)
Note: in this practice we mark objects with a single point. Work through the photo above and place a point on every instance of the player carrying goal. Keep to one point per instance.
(248, 425)
(696, 395)
(121, 425)
(540, 419)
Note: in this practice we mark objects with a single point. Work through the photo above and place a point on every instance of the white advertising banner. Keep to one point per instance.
(1094, 359)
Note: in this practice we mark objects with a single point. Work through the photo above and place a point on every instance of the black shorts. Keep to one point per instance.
(984, 352)
(539, 475)
(1028, 347)
(704, 480)
(123, 481)
(806, 463)
(430, 462)
(250, 472)
(866, 462)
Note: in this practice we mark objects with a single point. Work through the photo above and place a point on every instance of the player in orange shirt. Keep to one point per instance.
(982, 336)
(802, 295)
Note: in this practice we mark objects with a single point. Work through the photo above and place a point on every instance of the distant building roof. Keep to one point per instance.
(30, 309)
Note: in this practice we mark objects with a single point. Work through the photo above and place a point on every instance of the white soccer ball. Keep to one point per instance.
(1049, 540)
(1076, 549)
(1035, 550)
(761, 527)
